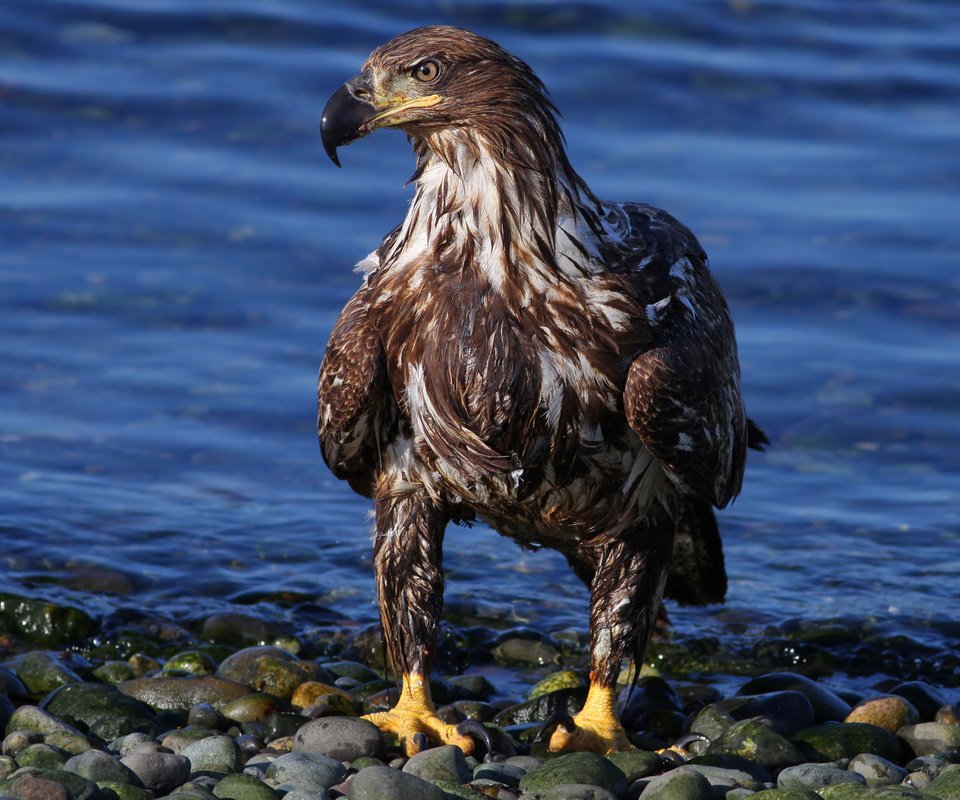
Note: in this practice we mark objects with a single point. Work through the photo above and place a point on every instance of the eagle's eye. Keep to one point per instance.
(426, 71)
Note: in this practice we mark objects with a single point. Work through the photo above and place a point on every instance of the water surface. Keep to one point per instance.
(176, 248)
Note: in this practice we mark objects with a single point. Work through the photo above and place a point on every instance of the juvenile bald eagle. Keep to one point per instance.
(522, 351)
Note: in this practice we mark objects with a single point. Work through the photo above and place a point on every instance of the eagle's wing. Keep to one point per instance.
(682, 394)
(353, 396)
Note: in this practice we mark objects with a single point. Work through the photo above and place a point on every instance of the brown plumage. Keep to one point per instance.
(520, 350)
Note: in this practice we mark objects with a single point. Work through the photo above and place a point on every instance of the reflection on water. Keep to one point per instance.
(176, 248)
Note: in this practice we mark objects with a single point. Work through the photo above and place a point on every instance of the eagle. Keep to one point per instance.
(523, 352)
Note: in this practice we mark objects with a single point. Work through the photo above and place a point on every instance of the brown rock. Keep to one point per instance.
(29, 787)
(889, 712)
(307, 693)
(949, 715)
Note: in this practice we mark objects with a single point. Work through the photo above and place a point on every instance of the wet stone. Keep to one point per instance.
(678, 784)
(507, 774)
(712, 721)
(542, 707)
(572, 791)
(181, 694)
(576, 768)
(526, 647)
(846, 740)
(876, 770)
(636, 764)
(928, 738)
(123, 791)
(251, 707)
(471, 686)
(214, 754)
(194, 662)
(351, 669)
(816, 776)
(385, 783)
(786, 794)
(754, 740)
(78, 788)
(946, 786)
(241, 630)
(244, 787)
(110, 728)
(97, 766)
(790, 711)
(42, 673)
(305, 769)
(114, 673)
(852, 791)
(437, 764)
(90, 702)
(308, 692)
(268, 669)
(7, 767)
(159, 772)
(826, 705)
(341, 738)
(890, 712)
(32, 787)
(41, 756)
(43, 622)
(925, 698)
(176, 740)
(307, 794)
(724, 777)
(729, 761)
(564, 679)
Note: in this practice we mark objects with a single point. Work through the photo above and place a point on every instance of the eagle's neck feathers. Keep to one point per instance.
(501, 200)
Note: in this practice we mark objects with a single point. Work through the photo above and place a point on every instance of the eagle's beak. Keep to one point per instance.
(354, 111)
(345, 114)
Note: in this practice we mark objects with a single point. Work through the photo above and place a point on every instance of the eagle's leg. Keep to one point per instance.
(407, 556)
(625, 594)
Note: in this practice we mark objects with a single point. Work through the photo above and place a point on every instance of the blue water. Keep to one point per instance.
(176, 247)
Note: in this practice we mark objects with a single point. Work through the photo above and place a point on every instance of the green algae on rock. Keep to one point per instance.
(833, 742)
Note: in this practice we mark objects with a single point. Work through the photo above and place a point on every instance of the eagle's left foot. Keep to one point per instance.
(595, 727)
(415, 722)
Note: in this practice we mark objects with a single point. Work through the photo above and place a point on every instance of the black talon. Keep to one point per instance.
(421, 741)
(476, 730)
(551, 722)
(688, 738)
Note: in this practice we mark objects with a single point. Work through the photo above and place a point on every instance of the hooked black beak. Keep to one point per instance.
(345, 114)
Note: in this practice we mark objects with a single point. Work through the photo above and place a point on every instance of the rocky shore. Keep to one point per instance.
(140, 707)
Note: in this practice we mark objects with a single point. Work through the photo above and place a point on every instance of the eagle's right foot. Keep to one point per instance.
(414, 720)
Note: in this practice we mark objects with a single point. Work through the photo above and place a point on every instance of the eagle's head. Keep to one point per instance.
(437, 81)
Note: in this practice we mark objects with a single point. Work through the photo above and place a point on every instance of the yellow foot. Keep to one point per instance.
(415, 722)
(596, 727)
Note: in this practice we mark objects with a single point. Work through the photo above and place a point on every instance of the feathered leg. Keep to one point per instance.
(407, 556)
(624, 597)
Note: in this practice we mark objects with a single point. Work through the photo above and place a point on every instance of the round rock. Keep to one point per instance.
(243, 787)
(305, 770)
(677, 784)
(438, 764)
(575, 768)
(816, 776)
(159, 772)
(877, 770)
(890, 712)
(754, 740)
(100, 767)
(386, 783)
(213, 753)
(341, 738)
(928, 738)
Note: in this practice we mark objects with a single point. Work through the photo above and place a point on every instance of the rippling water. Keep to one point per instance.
(176, 248)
